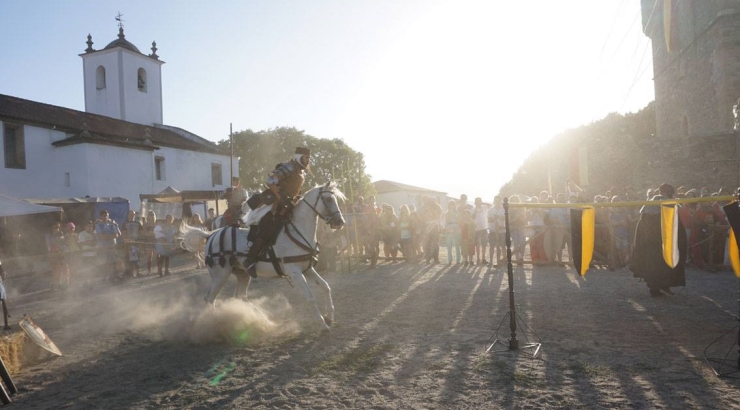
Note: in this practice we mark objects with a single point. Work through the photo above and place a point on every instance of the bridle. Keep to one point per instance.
(323, 197)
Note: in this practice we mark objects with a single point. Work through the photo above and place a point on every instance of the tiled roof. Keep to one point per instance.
(383, 186)
(103, 130)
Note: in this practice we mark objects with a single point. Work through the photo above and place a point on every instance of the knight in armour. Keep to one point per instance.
(283, 188)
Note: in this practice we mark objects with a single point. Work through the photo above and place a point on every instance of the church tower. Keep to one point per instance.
(121, 82)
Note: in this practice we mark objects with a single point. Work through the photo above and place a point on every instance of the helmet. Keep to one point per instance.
(70, 226)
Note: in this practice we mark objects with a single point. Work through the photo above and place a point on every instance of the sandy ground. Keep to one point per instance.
(406, 336)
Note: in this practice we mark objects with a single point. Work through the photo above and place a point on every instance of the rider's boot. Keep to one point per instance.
(252, 255)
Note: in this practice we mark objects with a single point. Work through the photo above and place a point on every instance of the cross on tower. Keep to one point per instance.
(119, 19)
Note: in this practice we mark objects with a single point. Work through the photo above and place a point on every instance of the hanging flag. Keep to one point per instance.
(582, 223)
(670, 24)
(734, 253)
(733, 217)
(669, 232)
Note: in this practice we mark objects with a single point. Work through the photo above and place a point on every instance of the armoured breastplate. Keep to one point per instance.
(292, 184)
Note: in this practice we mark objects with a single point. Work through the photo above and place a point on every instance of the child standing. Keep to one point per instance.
(133, 260)
(467, 236)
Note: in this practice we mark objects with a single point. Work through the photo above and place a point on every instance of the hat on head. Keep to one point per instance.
(302, 151)
(70, 225)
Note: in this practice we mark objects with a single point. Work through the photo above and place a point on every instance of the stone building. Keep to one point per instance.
(696, 70)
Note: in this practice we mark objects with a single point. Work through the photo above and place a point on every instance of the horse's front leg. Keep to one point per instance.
(301, 283)
(312, 275)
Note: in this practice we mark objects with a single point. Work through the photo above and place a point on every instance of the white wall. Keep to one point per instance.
(142, 107)
(103, 170)
(121, 98)
(106, 101)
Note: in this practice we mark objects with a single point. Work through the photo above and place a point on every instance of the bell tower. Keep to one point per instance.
(121, 82)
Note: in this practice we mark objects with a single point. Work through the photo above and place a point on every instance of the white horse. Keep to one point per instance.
(216, 223)
(295, 248)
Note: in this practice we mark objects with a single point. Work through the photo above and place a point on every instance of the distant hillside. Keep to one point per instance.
(617, 155)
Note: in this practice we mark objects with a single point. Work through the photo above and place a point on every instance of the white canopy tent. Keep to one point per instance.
(16, 207)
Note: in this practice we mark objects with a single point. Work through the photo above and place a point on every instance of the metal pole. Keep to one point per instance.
(231, 158)
(513, 342)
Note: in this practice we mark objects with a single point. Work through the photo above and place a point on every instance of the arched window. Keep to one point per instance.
(142, 80)
(100, 77)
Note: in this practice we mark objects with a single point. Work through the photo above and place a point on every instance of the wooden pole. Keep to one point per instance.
(357, 242)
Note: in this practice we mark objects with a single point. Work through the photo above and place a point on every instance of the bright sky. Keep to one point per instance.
(450, 95)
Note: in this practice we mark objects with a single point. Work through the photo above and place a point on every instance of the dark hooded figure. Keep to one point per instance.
(647, 259)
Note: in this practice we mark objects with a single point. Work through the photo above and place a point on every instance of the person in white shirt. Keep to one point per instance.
(497, 231)
(480, 216)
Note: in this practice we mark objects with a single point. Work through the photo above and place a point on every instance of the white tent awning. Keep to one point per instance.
(16, 207)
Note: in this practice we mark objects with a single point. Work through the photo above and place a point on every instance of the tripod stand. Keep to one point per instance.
(529, 347)
(724, 366)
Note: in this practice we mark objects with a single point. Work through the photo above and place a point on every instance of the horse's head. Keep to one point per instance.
(324, 199)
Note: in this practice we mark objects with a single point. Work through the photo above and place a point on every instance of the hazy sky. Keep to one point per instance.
(446, 95)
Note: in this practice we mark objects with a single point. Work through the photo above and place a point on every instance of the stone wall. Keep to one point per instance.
(698, 81)
(696, 85)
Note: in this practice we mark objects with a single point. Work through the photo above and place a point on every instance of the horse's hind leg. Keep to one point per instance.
(219, 276)
(312, 275)
(242, 284)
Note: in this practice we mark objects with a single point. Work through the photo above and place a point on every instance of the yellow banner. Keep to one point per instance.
(588, 226)
(669, 229)
(734, 254)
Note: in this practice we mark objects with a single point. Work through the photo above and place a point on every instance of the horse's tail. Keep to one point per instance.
(193, 239)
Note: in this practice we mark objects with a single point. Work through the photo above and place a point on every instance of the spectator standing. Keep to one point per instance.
(417, 227)
(209, 219)
(517, 224)
(196, 222)
(56, 246)
(497, 231)
(389, 231)
(72, 248)
(148, 240)
(132, 231)
(467, 235)
(164, 234)
(452, 232)
(536, 222)
(558, 222)
(87, 242)
(463, 204)
(619, 219)
(480, 217)
(407, 232)
(430, 215)
(107, 234)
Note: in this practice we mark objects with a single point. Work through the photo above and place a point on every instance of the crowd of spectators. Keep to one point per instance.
(474, 234)
(112, 252)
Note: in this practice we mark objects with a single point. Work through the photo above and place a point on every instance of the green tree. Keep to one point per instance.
(260, 152)
(619, 150)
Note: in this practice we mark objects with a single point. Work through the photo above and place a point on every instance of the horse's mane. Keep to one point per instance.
(332, 186)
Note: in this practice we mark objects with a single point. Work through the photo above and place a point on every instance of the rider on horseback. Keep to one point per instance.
(235, 195)
(284, 184)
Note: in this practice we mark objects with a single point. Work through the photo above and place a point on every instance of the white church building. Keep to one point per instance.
(117, 147)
